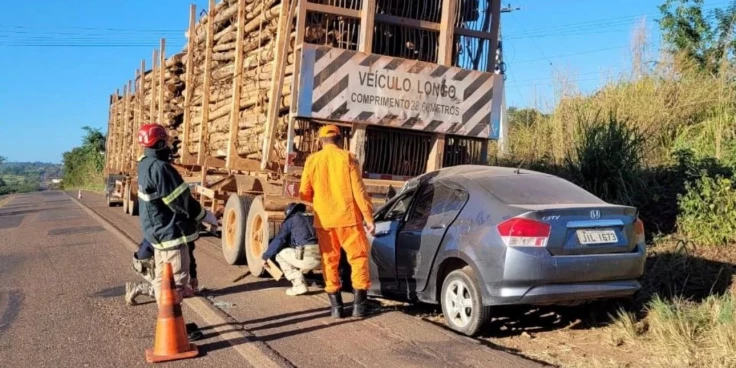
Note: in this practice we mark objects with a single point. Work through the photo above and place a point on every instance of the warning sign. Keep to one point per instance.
(349, 86)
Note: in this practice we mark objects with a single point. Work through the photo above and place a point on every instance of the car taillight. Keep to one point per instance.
(639, 231)
(522, 232)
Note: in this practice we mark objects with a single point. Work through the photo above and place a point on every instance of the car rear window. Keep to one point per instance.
(529, 189)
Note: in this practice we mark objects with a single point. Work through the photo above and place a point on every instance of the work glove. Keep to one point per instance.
(210, 218)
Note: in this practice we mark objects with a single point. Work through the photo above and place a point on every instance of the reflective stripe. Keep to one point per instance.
(201, 215)
(175, 242)
(141, 158)
(147, 197)
(177, 192)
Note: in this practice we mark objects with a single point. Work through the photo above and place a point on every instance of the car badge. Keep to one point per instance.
(595, 214)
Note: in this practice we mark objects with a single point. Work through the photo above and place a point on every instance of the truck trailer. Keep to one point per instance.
(413, 85)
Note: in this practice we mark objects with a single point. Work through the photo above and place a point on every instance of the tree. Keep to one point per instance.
(83, 166)
(688, 32)
(524, 117)
(93, 139)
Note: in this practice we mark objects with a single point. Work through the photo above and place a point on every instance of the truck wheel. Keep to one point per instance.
(233, 228)
(462, 302)
(259, 233)
(126, 199)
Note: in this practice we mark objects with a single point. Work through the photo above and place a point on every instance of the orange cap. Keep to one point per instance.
(328, 131)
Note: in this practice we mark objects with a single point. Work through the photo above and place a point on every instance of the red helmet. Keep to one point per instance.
(150, 134)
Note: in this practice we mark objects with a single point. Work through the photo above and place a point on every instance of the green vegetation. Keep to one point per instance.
(661, 138)
(24, 177)
(649, 137)
(83, 165)
(708, 211)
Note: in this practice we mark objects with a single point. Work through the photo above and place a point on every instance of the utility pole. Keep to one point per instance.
(501, 69)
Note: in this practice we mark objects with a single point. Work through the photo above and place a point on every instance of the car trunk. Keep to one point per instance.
(586, 229)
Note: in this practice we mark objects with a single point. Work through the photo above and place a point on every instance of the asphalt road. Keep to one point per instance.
(61, 287)
(61, 276)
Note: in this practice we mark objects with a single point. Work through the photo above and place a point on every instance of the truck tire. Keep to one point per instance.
(462, 302)
(259, 234)
(233, 228)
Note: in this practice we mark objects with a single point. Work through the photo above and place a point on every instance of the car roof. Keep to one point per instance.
(512, 185)
(480, 171)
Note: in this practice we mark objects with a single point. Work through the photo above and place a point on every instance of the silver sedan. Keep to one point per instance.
(473, 237)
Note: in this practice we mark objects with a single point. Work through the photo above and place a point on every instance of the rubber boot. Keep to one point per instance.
(336, 302)
(359, 303)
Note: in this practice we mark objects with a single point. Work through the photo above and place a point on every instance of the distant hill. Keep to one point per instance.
(22, 177)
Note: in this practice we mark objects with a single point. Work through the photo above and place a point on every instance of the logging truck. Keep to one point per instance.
(413, 86)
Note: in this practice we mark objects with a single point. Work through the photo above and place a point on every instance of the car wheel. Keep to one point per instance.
(462, 302)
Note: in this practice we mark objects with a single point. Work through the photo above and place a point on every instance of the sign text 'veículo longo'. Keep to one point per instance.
(349, 86)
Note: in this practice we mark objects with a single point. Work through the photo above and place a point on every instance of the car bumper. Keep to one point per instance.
(533, 276)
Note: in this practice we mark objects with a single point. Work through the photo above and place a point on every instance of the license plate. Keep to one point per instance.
(597, 236)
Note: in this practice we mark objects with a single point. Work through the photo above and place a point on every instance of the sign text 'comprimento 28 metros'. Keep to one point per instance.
(349, 86)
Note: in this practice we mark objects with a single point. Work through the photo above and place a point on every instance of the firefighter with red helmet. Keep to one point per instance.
(169, 215)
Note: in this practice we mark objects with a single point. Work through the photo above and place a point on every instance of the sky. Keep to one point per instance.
(60, 60)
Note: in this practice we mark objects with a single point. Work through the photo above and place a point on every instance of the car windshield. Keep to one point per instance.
(536, 190)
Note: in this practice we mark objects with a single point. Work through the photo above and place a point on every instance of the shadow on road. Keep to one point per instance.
(281, 321)
(242, 288)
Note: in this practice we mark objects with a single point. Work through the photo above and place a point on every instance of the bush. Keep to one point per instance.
(708, 211)
(607, 159)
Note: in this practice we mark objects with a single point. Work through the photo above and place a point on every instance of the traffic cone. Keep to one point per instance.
(171, 341)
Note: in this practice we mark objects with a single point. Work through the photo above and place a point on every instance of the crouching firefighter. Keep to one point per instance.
(295, 247)
(170, 217)
(145, 265)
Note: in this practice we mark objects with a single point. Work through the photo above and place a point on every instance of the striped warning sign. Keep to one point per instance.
(349, 86)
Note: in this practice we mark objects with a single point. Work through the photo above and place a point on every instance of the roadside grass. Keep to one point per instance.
(686, 316)
(683, 333)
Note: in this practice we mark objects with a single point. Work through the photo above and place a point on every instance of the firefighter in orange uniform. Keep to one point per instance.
(332, 182)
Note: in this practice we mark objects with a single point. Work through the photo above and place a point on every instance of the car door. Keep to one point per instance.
(436, 206)
(383, 244)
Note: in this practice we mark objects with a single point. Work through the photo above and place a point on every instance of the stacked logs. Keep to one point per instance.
(122, 132)
(259, 50)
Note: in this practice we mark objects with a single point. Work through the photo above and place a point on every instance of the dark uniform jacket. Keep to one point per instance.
(169, 215)
(296, 231)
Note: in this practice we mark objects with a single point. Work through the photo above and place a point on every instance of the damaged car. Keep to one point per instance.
(473, 237)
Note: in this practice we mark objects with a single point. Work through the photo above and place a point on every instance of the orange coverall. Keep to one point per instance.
(332, 182)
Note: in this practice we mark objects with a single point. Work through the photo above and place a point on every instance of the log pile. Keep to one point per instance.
(258, 55)
(261, 22)
(122, 132)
